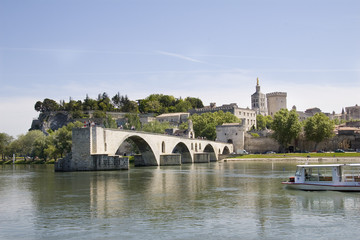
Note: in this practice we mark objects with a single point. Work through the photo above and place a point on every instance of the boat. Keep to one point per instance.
(326, 177)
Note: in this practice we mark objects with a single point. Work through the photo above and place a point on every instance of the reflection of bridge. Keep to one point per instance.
(95, 148)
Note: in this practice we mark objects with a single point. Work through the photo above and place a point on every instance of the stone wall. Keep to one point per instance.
(260, 144)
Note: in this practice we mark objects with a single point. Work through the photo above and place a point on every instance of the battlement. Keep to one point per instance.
(276, 94)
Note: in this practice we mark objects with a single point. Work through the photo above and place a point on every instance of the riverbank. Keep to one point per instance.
(299, 157)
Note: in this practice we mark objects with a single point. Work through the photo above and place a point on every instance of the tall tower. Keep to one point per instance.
(258, 101)
(275, 102)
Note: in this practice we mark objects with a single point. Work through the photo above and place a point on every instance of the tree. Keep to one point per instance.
(318, 128)
(109, 122)
(156, 127)
(5, 140)
(195, 102)
(183, 106)
(133, 121)
(205, 124)
(49, 105)
(286, 126)
(260, 122)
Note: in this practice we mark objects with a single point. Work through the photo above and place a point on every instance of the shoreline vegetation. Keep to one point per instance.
(306, 157)
(21, 160)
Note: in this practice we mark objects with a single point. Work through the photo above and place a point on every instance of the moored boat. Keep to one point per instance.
(324, 177)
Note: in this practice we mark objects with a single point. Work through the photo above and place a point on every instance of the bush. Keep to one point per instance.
(21, 162)
(255, 135)
(52, 161)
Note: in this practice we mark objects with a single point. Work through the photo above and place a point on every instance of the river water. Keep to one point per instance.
(223, 200)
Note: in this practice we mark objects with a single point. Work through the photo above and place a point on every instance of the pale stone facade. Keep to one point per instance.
(275, 102)
(231, 133)
(173, 118)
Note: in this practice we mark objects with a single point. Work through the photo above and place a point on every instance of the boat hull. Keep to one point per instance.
(321, 187)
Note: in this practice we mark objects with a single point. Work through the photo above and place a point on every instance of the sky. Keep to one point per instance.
(210, 49)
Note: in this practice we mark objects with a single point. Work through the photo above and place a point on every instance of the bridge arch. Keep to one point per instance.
(181, 148)
(210, 149)
(147, 156)
(226, 150)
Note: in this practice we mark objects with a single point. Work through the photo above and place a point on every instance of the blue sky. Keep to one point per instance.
(213, 50)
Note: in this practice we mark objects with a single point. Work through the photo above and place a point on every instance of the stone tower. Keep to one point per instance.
(258, 101)
(275, 102)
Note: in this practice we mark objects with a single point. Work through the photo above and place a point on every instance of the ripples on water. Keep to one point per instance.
(230, 200)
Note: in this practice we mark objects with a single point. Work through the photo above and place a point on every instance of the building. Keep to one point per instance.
(247, 115)
(352, 113)
(275, 102)
(258, 101)
(232, 133)
(173, 118)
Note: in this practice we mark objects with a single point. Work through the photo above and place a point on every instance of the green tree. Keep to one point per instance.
(269, 121)
(318, 128)
(5, 141)
(286, 126)
(195, 102)
(156, 127)
(183, 106)
(49, 105)
(132, 121)
(109, 122)
(260, 122)
(25, 145)
(205, 124)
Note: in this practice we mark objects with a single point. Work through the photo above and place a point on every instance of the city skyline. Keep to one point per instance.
(211, 50)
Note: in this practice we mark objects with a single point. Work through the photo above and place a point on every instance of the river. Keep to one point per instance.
(222, 200)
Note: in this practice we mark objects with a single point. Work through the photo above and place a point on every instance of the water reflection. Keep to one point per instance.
(230, 200)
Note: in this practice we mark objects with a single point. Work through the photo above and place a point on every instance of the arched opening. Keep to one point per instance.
(182, 149)
(140, 149)
(230, 141)
(226, 150)
(163, 147)
(209, 149)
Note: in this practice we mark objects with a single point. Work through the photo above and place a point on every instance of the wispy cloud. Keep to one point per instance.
(180, 56)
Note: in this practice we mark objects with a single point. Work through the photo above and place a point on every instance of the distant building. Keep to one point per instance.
(352, 113)
(258, 101)
(247, 115)
(275, 102)
(173, 118)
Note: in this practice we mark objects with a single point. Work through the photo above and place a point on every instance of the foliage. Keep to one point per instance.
(263, 122)
(5, 140)
(286, 126)
(109, 122)
(205, 124)
(156, 127)
(318, 128)
(132, 121)
(154, 103)
(256, 135)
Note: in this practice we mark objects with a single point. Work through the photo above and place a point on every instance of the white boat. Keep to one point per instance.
(335, 177)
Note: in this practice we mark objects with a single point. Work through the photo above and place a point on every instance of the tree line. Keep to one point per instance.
(287, 127)
(155, 103)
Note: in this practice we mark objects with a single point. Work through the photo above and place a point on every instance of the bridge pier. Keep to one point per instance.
(201, 157)
(170, 159)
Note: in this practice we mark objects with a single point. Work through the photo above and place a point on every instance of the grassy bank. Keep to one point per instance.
(301, 155)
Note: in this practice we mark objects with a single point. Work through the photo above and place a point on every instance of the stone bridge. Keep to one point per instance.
(96, 148)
